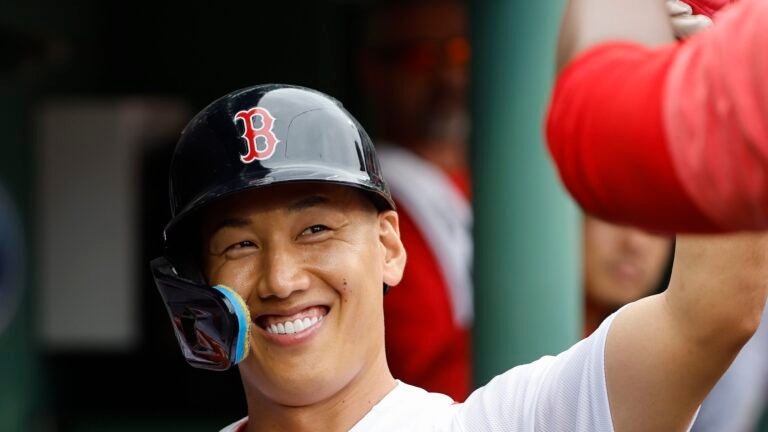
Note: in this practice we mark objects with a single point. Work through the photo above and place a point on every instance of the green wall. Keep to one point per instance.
(527, 231)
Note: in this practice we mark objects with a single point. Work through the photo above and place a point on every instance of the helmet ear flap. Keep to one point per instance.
(211, 324)
(184, 249)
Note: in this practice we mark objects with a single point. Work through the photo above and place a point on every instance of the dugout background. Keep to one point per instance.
(88, 353)
(95, 64)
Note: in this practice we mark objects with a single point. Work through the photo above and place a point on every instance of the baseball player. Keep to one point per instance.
(665, 135)
(284, 239)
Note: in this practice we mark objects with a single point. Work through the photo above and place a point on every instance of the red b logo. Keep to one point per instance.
(256, 150)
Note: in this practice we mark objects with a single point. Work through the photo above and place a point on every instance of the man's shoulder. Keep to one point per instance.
(405, 398)
(407, 393)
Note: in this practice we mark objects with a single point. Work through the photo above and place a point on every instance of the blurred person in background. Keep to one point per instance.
(414, 71)
(621, 264)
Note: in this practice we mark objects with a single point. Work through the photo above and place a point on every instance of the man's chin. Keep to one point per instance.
(296, 385)
(295, 393)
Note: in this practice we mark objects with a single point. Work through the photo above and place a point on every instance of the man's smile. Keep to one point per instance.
(292, 325)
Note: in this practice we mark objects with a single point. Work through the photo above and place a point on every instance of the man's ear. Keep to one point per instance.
(394, 252)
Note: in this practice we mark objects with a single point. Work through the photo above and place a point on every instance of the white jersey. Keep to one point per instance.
(552, 394)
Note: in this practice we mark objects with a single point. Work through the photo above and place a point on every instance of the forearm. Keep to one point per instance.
(718, 287)
(716, 117)
(587, 23)
(595, 119)
(608, 140)
(689, 121)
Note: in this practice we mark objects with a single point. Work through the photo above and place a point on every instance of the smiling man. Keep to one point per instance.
(310, 260)
(284, 239)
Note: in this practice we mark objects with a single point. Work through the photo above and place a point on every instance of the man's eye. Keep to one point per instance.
(242, 244)
(314, 229)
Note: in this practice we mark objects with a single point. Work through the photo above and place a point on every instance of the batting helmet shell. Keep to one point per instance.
(265, 135)
(250, 138)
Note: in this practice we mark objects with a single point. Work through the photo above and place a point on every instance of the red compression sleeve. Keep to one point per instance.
(716, 117)
(606, 134)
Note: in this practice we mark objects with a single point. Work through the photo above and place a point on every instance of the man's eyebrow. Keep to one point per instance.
(305, 203)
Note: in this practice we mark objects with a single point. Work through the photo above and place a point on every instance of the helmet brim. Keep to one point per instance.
(287, 174)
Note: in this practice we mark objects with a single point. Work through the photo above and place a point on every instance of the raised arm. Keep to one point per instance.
(587, 23)
(664, 353)
(664, 135)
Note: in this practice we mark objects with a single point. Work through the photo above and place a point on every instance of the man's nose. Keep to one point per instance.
(636, 240)
(284, 274)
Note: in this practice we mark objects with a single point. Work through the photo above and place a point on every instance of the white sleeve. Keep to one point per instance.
(552, 394)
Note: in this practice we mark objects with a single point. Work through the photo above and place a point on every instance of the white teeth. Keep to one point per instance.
(295, 326)
(298, 325)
